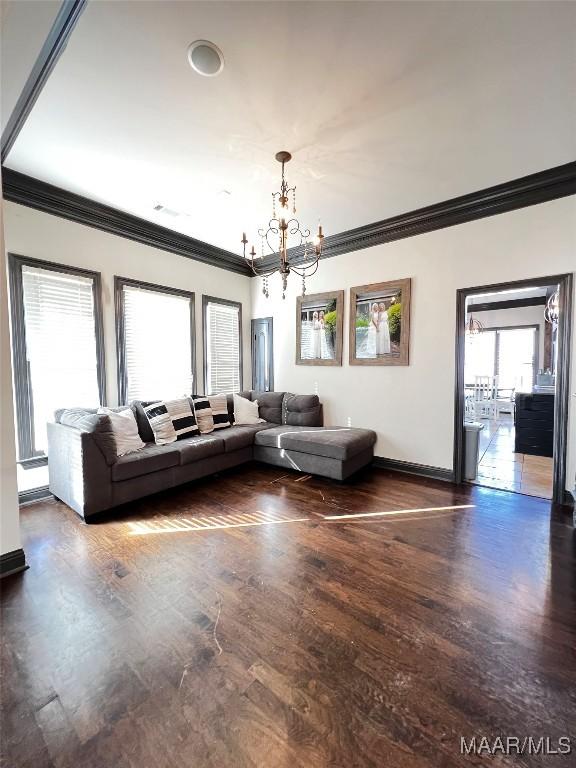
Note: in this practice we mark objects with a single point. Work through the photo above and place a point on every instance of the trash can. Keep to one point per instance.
(472, 431)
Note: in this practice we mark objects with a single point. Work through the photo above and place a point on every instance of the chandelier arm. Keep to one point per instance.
(263, 273)
(302, 271)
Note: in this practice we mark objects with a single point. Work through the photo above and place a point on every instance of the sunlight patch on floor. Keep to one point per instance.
(249, 520)
(182, 524)
(355, 515)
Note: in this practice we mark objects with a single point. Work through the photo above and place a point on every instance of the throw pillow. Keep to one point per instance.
(125, 430)
(246, 411)
(203, 413)
(219, 408)
(171, 420)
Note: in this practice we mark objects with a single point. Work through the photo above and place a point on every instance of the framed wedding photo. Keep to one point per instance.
(380, 323)
(319, 328)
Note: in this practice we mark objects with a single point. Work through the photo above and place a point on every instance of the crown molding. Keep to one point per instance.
(541, 187)
(64, 23)
(31, 192)
(529, 190)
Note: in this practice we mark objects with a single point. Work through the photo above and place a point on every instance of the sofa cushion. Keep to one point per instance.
(333, 442)
(301, 410)
(96, 424)
(269, 405)
(125, 430)
(152, 458)
(241, 436)
(201, 447)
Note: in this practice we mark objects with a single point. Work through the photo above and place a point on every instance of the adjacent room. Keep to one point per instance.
(288, 364)
(510, 373)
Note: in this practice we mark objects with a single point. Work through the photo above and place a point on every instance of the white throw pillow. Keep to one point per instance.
(125, 430)
(246, 411)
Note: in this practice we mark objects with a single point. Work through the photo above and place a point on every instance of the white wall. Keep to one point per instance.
(39, 235)
(9, 515)
(412, 407)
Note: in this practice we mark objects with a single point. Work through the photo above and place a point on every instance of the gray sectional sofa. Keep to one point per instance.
(86, 473)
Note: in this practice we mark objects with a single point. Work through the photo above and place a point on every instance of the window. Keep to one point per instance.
(222, 322)
(508, 353)
(516, 362)
(57, 346)
(155, 341)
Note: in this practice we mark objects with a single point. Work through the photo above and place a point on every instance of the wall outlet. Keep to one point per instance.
(349, 421)
(316, 392)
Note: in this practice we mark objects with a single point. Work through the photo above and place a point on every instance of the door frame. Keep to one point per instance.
(270, 322)
(562, 396)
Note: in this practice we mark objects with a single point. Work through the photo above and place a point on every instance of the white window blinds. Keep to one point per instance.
(157, 344)
(222, 352)
(60, 345)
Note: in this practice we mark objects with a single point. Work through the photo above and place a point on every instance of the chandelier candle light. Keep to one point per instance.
(282, 228)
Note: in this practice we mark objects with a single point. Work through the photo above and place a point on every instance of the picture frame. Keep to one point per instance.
(319, 328)
(379, 323)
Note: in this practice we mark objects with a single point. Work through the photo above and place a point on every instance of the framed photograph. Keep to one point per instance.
(319, 327)
(380, 323)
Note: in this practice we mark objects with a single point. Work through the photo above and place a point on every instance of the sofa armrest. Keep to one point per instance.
(78, 471)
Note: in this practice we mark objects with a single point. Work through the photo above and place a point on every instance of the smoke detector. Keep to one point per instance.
(205, 58)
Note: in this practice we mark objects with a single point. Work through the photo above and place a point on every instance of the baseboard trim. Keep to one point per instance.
(12, 562)
(36, 494)
(423, 470)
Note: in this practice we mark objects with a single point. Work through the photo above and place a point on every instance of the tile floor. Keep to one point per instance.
(500, 467)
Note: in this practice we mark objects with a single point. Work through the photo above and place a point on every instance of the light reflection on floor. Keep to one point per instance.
(247, 520)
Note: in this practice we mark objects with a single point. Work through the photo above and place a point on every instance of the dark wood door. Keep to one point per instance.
(262, 354)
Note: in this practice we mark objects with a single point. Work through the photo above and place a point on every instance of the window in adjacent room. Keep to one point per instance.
(222, 322)
(57, 346)
(155, 341)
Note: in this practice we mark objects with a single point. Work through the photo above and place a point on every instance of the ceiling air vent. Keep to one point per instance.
(166, 211)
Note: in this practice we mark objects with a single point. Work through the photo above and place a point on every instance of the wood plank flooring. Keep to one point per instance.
(269, 619)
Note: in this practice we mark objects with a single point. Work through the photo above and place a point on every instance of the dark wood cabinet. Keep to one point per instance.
(534, 422)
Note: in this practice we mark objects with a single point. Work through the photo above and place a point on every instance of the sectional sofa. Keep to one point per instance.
(86, 473)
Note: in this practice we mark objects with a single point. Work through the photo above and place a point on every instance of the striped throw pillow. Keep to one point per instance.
(203, 412)
(211, 413)
(171, 420)
(220, 415)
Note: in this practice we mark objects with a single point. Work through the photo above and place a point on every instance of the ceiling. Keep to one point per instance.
(385, 106)
(25, 27)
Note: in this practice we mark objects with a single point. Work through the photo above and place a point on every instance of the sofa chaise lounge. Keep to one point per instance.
(86, 473)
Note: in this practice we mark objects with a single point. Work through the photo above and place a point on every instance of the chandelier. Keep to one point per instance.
(473, 327)
(552, 309)
(284, 232)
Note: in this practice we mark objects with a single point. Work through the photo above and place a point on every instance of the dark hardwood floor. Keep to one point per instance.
(257, 619)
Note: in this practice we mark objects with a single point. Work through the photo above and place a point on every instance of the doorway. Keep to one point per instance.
(263, 354)
(512, 369)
